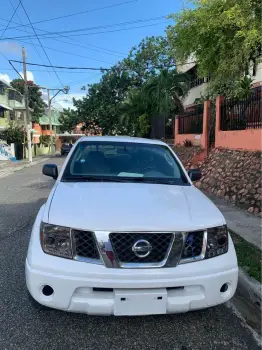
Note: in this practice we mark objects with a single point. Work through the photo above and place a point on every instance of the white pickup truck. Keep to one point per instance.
(125, 232)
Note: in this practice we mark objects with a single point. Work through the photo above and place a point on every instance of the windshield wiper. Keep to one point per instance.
(154, 181)
(92, 178)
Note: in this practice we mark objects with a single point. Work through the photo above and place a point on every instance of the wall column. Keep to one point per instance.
(219, 99)
(206, 120)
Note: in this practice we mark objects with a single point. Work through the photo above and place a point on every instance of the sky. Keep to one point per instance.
(100, 45)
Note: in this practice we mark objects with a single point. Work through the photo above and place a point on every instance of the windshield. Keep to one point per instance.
(123, 161)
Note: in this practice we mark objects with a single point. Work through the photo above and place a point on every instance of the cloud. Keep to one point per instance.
(5, 77)
(10, 47)
(29, 75)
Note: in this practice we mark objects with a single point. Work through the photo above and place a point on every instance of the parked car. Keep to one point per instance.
(125, 232)
(65, 148)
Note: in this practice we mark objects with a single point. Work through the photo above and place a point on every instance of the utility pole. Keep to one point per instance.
(50, 120)
(27, 116)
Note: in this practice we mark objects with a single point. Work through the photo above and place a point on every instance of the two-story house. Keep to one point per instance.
(199, 85)
(12, 105)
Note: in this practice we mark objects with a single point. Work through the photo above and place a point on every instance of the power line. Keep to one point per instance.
(73, 42)
(61, 67)
(80, 34)
(98, 27)
(40, 42)
(69, 53)
(80, 13)
(10, 20)
(27, 32)
(43, 71)
(91, 68)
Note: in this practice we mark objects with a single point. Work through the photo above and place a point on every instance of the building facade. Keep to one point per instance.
(12, 105)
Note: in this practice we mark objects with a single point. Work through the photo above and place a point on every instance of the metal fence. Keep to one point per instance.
(242, 114)
(191, 122)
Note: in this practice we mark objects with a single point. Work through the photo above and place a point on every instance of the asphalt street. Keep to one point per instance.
(23, 327)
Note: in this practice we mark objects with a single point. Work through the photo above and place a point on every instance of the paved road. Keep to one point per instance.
(22, 327)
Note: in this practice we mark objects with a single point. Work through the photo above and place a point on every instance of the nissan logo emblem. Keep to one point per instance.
(142, 248)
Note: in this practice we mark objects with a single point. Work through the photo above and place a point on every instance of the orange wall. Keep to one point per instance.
(249, 139)
(180, 138)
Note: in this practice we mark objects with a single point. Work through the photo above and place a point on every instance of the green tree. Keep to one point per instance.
(36, 102)
(68, 119)
(222, 37)
(13, 134)
(148, 58)
(145, 83)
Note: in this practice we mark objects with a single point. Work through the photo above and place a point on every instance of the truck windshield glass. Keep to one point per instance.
(123, 161)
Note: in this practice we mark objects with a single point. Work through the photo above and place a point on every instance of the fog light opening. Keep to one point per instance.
(224, 288)
(47, 291)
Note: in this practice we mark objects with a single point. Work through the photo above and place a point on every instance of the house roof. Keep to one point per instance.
(44, 120)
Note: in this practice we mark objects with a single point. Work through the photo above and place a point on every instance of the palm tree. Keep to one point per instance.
(131, 109)
(164, 98)
(165, 91)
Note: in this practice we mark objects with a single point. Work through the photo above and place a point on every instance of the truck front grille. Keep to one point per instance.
(84, 245)
(126, 246)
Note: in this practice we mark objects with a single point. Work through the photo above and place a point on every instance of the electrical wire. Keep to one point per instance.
(10, 20)
(28, 33)
(73, 42)
(45, 36)
(66, 52)
(100, 27)
(40, 42)
(43, 71)
(88, 68)
(80, 13)
(60, 67)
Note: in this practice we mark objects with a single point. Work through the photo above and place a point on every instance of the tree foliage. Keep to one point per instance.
(13, 133)
(35, 100)
(223, 37)
(143, 85)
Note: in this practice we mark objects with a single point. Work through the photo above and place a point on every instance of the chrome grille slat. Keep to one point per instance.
(84, 245)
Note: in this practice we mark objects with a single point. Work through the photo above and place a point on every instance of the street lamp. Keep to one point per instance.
(65, 90)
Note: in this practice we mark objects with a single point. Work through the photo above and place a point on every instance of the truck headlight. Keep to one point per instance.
(217, 241)
(56, 240)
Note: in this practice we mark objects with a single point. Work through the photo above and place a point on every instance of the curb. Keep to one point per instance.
(248, 300)
(27, 165)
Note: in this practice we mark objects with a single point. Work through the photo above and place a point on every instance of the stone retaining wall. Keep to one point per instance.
(187, 154)
(232, 174)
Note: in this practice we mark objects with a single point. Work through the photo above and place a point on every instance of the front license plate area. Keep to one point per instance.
(140, 302)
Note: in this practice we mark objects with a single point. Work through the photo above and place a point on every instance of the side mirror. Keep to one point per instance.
(50, 170)
(194, 174)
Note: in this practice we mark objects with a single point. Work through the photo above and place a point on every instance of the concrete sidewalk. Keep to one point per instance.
(239, 221)
(8, 167)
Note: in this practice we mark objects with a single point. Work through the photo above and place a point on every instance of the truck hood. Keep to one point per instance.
(108, 206)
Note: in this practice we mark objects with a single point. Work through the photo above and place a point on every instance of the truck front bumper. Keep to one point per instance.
(97, 290)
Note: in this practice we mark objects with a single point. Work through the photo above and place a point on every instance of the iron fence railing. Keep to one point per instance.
(242, 114)
(191, 121)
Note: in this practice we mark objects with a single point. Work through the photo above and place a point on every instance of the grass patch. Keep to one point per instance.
(248, 256)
